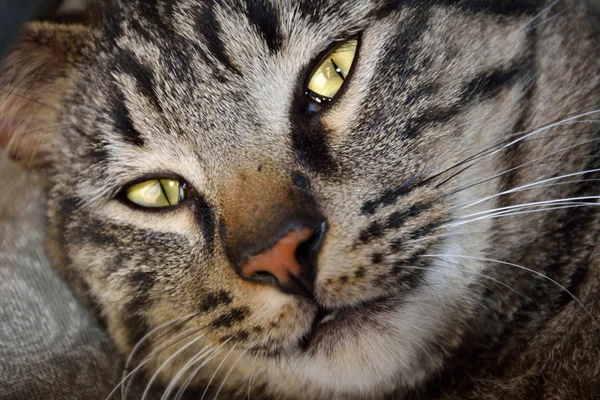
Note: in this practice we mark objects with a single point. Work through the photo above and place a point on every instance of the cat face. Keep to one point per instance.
(393, 181)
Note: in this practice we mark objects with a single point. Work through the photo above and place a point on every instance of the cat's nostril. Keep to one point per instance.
(290, 263)
(308, 251)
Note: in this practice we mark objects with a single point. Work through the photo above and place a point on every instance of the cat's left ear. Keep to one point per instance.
(35, 75)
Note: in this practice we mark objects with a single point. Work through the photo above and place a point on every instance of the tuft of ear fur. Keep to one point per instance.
(35, 75)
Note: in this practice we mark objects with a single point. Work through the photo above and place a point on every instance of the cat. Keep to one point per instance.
(317, 199)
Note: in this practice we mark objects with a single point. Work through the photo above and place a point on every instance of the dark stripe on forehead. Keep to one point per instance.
(316, 11)
(209, 28)
(496, 7)
(263, 16)
(144, 79)
(123, 122)
(489, 83)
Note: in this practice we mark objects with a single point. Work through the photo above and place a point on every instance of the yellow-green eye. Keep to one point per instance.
(156, 193)
(328, 77)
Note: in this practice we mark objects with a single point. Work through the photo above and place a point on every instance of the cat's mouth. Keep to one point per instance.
(330, 322)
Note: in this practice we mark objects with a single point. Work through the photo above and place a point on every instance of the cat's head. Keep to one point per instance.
(298, 194)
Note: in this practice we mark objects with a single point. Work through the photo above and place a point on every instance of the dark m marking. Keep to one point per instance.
(210, 28)
(495, 7)
(263, 16)
(128, 64)
(123, 122)
(490, 83)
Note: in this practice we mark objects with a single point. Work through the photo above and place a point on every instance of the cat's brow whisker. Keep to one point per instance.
(229, 373)
(214, 353)
(543, 276)
(30, 99)
(216, 371)
(538, 15)
(34, 91)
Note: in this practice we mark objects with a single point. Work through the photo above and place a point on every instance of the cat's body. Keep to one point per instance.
(452, 109)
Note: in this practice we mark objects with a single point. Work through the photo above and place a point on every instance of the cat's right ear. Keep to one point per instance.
(35, 74)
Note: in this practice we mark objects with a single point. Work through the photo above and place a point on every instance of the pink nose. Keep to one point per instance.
(280, 260)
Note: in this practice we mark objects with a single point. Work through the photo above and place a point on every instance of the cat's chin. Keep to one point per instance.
(359, 350)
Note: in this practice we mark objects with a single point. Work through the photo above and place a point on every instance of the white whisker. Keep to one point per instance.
(540, 14)
(202, 353)
(229, 373)
(522, 268)
(537, 203)
(167, 361)
(251, 375)
(191, 376)
(529, 185)
(216, 371)
(513, 213)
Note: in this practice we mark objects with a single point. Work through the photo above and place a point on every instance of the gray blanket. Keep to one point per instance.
(50, 348)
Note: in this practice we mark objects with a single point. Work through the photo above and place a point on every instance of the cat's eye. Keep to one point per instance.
(331, 72)
(157, 193)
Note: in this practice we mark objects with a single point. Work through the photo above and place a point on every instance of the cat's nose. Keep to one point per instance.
(289, 264)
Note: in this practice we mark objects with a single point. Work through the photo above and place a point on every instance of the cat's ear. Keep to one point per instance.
(35, 74)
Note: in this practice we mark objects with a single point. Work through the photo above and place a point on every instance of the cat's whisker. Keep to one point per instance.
(514, 212)
(464, 270)
(163, 347)
(202, 353)
(167, 361)
(549, 126)
(214, 353)
(522, 187)
(229, 373)
(252, 370)
(141, 342)
(493, 149)
(543, 276)
(528, 163)
(217, 370)
(129, 375)
(574, 200)
(147, 336)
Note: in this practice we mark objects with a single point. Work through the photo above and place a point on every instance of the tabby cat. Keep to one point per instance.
(319, 199)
